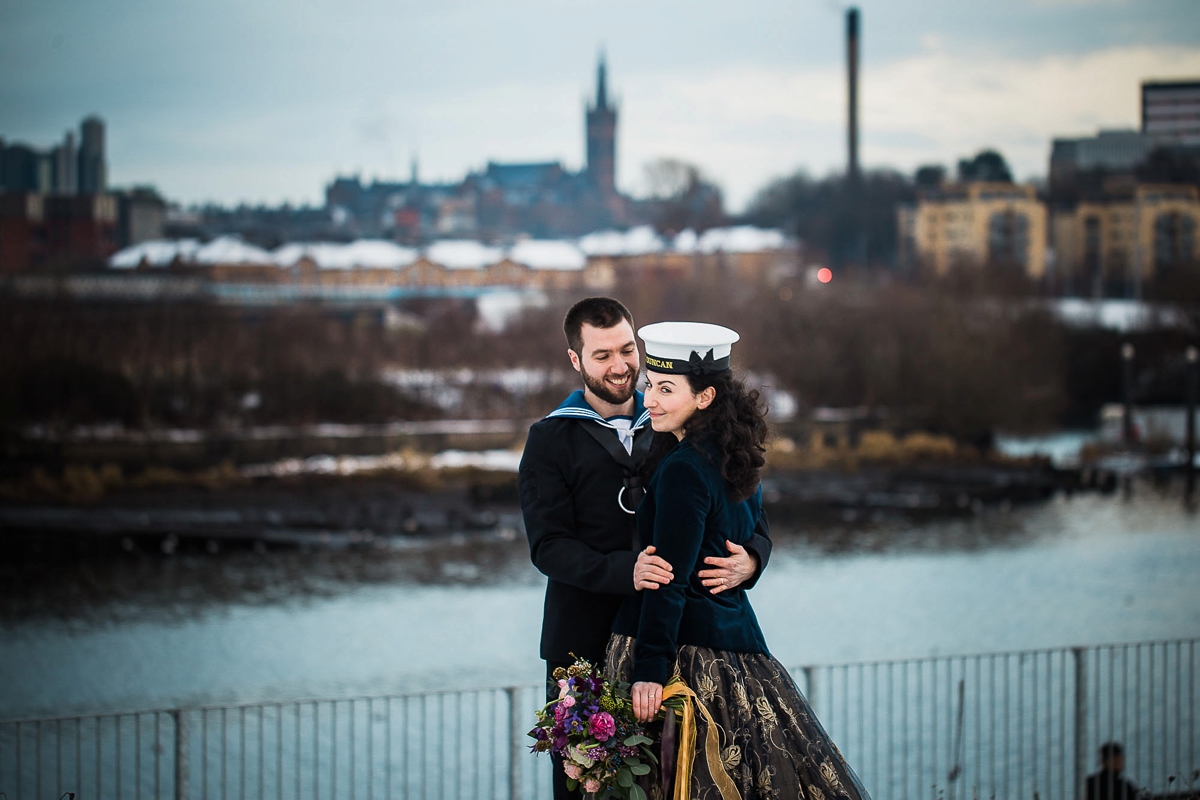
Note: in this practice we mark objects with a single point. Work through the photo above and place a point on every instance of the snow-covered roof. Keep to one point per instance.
(155, 252)
(685, 241)
(633, 242)
(463, 254)
(231, 250)
(741, 239)
(549, 254)
(368, 253)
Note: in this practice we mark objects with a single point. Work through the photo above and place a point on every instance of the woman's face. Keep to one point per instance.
(671, 403)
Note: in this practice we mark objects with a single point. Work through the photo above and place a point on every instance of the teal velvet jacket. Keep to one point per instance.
(687, 515)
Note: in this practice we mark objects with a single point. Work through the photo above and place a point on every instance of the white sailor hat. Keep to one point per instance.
(687, 347)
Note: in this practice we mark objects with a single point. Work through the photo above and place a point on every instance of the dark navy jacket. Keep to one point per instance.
(579, 537)
(687, 515)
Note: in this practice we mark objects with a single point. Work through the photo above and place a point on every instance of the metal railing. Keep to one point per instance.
(1006, 725)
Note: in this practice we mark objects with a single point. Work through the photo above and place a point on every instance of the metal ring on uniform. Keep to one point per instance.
(621, 504)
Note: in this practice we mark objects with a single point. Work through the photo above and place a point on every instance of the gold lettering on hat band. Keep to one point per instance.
(651, 361)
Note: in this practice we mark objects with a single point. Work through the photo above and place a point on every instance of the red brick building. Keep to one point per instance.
(39, 230)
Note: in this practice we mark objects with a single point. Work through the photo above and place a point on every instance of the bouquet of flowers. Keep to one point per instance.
(592, 727)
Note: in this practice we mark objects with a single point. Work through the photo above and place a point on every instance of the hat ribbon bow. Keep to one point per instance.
(700, 365)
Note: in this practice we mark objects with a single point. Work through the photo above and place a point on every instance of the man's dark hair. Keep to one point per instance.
(599, 312)
(1110, 750)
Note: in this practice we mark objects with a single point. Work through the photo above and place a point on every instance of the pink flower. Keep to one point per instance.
(602, 726)
(563, 688)
(591, 785)
(573, 771)
(567, 701)
(560, 712)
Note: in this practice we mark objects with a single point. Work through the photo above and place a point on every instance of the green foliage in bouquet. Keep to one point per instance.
(591, 726)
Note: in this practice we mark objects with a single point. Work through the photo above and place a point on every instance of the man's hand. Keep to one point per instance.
(650, 571)
(647, 699)
(731, 571)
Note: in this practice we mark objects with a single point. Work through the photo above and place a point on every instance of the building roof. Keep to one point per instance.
(512, 176)
(231, 250)
(548, 254)
(737, 239)
(155, 252)
(463, 254)
(363, 253)
(633, 242)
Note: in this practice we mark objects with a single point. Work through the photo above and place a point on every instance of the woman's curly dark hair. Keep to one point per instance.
(734, 426)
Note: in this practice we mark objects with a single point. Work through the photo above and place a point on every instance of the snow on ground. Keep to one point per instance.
(497, 309)
(1118, 315)
(488, 460)
(491, 460)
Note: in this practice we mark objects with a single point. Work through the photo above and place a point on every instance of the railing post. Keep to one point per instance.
(182, 776)
(516, 749)
(810, 686)
(1081, 715)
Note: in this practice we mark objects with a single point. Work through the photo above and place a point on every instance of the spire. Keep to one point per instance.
(601, 84)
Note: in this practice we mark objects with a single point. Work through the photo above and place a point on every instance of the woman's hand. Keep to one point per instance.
(647, 699)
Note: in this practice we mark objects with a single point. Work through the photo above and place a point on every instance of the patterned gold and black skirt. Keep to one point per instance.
(772, 745)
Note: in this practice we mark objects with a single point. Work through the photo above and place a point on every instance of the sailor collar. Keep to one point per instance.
(576, 407)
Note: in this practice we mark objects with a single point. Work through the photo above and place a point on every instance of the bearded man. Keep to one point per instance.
(581, 479)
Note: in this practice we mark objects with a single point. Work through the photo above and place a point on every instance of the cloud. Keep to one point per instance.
(748, 124)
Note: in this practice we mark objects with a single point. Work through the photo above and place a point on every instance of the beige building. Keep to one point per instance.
(972, 224)
(1128, 237)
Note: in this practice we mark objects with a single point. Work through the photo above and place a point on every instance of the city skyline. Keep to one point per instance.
(235, 103)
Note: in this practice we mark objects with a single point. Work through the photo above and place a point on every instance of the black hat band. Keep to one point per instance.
(695, 365)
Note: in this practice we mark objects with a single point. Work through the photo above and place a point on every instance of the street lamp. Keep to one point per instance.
(1127, 393)
(1189, 470)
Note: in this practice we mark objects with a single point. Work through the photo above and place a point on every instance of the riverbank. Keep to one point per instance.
(341, 505)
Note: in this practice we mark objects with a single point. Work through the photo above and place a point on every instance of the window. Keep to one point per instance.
(1008, 238)
(1174, 240)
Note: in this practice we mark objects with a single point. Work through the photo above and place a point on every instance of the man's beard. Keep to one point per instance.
(605, 392)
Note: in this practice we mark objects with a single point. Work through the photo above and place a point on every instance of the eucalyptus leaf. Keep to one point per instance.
(640, 769)
(637, 793)
(624, 777)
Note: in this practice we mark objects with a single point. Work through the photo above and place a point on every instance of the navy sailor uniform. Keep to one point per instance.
(580, 536)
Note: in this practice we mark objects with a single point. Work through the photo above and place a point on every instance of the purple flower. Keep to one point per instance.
(602, 726)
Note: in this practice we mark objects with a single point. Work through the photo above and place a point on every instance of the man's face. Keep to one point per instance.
(609, 362)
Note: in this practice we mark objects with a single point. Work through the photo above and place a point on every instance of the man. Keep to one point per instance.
(581, 478)
(1107, 784)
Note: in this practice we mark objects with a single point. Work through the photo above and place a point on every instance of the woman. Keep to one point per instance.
(704, 491)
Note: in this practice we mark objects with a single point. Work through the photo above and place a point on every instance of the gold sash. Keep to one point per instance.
(687, 745)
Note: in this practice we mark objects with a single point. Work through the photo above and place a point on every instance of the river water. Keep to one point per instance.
(151, 632)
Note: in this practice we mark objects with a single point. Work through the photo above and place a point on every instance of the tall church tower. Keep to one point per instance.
(602, 137)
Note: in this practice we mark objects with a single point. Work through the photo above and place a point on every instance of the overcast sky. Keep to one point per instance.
(265, 101)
